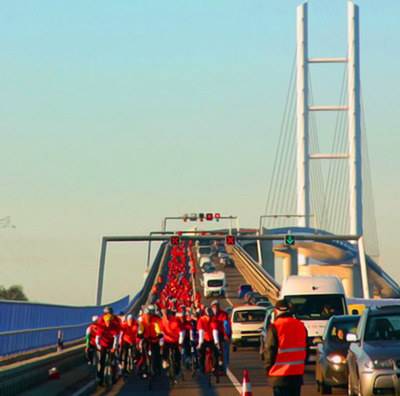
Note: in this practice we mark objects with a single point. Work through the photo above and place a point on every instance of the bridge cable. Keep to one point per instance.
(278, 151)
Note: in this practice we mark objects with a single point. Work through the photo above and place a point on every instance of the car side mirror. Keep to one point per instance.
(350, 337)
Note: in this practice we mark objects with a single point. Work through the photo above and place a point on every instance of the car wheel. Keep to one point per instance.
(325, 389)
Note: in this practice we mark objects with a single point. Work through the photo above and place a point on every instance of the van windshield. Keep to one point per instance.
(205, 250)
(251, 315)
(317, 307)
(215, 283)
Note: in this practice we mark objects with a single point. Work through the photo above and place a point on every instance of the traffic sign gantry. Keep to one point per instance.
(290, 240)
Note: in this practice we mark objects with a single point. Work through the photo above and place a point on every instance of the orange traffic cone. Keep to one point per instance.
(53, 373)
(246, 390)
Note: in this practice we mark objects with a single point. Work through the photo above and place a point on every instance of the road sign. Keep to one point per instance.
(217, 216)
(176, 241)
(290, 240)
(230, 240)
(209, 216)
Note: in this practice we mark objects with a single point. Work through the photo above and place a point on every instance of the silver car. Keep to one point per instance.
(374, 354)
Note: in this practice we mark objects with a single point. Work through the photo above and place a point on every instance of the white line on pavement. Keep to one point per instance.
(80, 391)
(234, 381)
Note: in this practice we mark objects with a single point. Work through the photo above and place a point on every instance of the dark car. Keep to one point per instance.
(243, 289)
(226, 261)
(254, 297)
(331, 364)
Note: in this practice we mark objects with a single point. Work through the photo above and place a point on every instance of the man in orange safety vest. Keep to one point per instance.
(285, 351)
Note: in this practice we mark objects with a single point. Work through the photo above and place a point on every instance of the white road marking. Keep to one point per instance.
(234, 381)
(80, 391)
(229, 373)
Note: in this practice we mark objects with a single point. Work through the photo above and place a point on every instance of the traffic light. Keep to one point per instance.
(217, 216)
(185, 217)
(209, 216)
(201, 216)
(290, 240)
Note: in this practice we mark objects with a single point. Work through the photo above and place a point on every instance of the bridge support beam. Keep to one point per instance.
(100, 277)
(290, 261)
(354, 121)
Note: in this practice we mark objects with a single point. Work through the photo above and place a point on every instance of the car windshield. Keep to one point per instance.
(215, 283)
(317, 307)
(253, 315)
(383, 328)
(339, 330)
(205, 250)
(245, 287)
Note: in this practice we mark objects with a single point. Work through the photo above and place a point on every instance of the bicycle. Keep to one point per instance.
(209, 367)
(172, 372)
(194, 363)
(109, 369)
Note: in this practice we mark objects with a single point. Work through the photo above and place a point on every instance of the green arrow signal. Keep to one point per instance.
(289, 240)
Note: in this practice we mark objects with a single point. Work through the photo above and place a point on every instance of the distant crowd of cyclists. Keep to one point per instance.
(174, 328)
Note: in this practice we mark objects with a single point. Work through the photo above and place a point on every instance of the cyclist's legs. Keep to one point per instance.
(202, 356)
(155, 350)
(177, 359)
(226, 354)
(102, 363)
(90, 353)
(124, 355)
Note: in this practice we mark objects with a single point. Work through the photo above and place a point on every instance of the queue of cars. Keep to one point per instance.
(360, 352)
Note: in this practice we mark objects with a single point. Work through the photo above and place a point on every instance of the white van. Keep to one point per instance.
(214, 284)
(315, 299)
(247, 322)
(204, 251)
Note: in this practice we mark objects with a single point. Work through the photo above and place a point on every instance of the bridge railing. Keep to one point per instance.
(29, 326)
(258, 276)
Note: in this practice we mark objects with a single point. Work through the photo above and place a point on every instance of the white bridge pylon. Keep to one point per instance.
(353, 108)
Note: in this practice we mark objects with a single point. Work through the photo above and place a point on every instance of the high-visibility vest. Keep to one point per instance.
(292, 347)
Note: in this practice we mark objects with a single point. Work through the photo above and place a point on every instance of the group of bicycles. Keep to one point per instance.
(148, 366)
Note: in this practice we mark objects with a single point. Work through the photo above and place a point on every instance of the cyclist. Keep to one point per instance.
(194, 336)
(224, 330)
(174, 335)
(128, 340)
(186, 325)
(208, 337)
(91, 340)
(107, 310)
(107, 338)
(150, 332)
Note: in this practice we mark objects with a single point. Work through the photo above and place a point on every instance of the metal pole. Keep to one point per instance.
(363, 267)
(302, 152)
(259, 252)
(237, 225)
(101, 271)
(354, 121)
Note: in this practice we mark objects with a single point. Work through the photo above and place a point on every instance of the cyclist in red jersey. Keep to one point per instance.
(208, 337)
(150, 330)
(107, 338)
(91, 340)
(128, 339)
(224, 330)
(174, 335)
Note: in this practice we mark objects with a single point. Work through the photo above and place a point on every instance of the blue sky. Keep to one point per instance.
(115, 114)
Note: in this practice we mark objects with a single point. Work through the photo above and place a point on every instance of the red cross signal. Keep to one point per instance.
(175, 241)
(230, 240)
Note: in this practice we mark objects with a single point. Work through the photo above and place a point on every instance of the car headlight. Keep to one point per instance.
(336, 358)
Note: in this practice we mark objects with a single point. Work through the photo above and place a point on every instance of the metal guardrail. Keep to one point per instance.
(257, 275)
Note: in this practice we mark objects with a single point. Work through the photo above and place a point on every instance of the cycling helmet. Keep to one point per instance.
(94, 318)
(120, 313)
(130, 316)
(209, 311)
(108, 309)
(151, 309)
(215, 302)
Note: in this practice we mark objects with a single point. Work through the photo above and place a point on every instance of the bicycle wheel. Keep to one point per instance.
(208, 369)
(194, 366)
